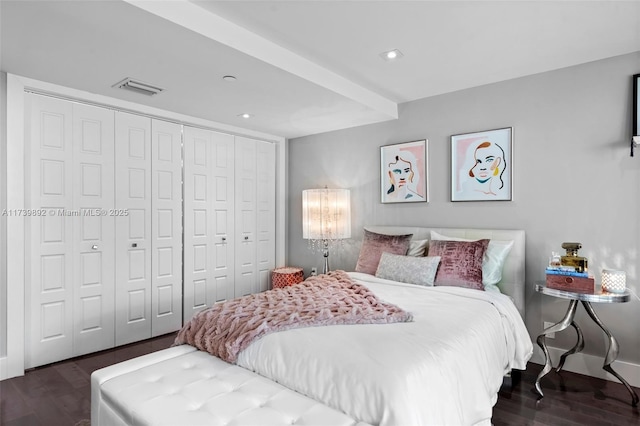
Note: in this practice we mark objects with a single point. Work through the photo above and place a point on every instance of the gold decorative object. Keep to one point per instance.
(572, 259)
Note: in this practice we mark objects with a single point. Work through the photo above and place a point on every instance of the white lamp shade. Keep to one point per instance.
(614, 281)
(326, 214)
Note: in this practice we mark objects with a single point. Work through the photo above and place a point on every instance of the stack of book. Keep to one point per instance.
(567, 279)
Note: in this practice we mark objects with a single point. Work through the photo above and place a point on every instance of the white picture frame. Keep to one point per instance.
(482, 165)
(404, 172)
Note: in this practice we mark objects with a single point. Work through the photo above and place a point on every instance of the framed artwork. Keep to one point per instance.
(636, 111)
(403, 172)
(481, 165)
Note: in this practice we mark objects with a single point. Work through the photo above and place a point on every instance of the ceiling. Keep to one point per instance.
(303, 67)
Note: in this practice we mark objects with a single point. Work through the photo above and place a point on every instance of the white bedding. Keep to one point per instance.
(445, 367)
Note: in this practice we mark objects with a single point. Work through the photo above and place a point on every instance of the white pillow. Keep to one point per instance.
(408, 269)
(492, 261)
(417, 248)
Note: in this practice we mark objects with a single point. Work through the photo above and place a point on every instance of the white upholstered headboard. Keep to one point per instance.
(513, 276)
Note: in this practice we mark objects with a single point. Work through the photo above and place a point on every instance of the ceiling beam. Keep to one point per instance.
(214, 27)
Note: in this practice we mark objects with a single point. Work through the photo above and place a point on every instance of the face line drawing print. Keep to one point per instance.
(401, 178)
(400, 172)
(488, 166)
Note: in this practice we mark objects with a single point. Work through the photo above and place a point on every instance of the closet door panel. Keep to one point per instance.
(199, 289)
(93, 189)
(245, 207)
(166, 262)
(224, 242)
(49, 271)
(133, 228)
(266, 229)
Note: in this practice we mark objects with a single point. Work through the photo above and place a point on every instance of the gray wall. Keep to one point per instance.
(574, 180)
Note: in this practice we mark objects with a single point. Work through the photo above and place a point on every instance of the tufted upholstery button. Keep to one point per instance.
(193, 406)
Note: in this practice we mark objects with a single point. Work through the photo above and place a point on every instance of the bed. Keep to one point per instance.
(443, 366)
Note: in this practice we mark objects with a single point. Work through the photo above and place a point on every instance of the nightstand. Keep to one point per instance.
(286, 276)
(586, 299)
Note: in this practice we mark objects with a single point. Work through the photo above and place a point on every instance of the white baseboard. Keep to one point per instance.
(591, 365)
(4, 368)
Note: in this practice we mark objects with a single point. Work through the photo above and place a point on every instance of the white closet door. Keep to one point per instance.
(93, 189)
(133, 228)
(198, 221)
(224, 242)
(49, 307)
(70, 305)
(266, 207)
(245, 210)
(166, 259)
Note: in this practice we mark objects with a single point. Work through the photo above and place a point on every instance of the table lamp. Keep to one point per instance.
(326, 219)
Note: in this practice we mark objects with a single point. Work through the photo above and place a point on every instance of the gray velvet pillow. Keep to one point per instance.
(460, 262)
(373, 245)
(408, 269)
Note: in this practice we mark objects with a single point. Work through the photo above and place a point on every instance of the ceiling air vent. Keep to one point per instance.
(138, 87)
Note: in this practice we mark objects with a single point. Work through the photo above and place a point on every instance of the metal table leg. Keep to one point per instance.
(612, 352)
(541, 340)
(579, 346)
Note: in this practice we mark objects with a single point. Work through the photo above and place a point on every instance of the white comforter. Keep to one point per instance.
(444, 368)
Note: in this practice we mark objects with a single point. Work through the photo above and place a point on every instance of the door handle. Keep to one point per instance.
(94, 247)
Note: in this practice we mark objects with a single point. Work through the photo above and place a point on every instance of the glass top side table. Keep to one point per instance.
(586, 299)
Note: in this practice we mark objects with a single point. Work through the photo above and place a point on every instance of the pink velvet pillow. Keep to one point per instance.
(460, 262)
(374, 245)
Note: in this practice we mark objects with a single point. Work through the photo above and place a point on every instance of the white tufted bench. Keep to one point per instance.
(185, 386)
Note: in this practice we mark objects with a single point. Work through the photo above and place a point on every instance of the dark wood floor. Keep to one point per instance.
(569, 399)
(60, 394)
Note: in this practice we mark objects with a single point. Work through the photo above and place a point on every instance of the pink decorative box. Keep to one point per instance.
(282, 277)
(569, 283)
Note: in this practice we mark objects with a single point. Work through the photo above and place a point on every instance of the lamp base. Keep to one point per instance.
(325, 253)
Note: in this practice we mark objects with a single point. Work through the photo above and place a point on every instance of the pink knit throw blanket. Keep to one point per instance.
(227, 328)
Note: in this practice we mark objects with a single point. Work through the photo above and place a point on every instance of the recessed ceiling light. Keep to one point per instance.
(245, 115)
(229, 78)
(391, 55)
